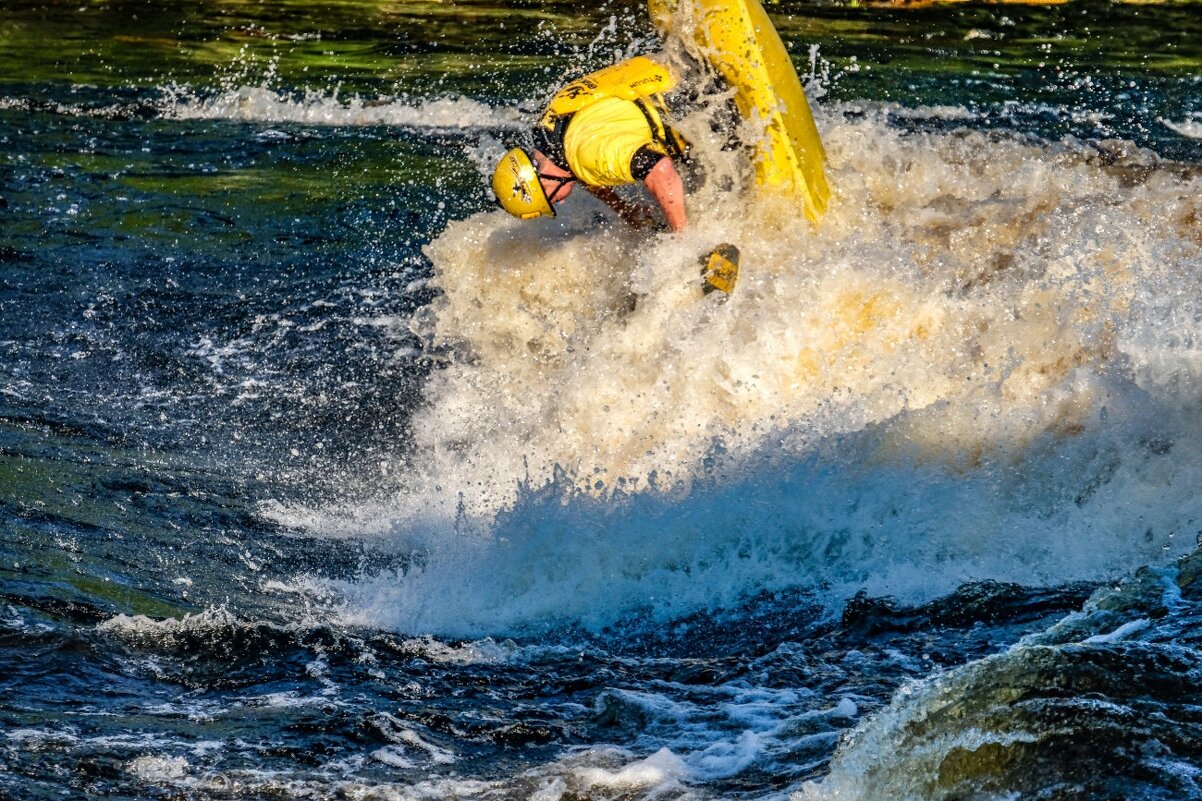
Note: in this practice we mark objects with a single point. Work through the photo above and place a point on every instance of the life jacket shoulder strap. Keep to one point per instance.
(548, 137)
(672, 142)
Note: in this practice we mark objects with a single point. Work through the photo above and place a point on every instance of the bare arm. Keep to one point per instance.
(667, 188)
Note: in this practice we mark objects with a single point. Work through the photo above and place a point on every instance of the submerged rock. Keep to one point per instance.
(1102, 705)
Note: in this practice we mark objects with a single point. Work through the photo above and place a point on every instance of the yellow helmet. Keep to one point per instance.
(515, 183)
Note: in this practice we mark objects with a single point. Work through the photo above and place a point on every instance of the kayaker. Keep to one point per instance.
(602, 131)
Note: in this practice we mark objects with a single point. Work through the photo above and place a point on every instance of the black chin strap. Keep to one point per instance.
(560, 184)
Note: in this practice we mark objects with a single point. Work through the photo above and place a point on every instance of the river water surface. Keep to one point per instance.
(320, 477)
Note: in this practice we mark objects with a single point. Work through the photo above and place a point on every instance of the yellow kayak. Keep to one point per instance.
(738, 39)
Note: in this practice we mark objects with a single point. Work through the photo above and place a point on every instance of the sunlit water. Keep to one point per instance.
(323, 478)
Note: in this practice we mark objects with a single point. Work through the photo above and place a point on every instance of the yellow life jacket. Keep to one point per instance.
(640, 80)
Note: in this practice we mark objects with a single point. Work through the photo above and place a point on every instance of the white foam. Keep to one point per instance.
(393, 757)
(552, 789)
(480, 652)
(158, 769)
(728, 757)
(941, 112)
(440, 756)
(662, 770)
(143, 627)
(35, 739)
(266, 105)
(406, 743)
(1190, 128)
(722, 731)
(846, 708)
(288, 699)
(1121, 633)
(14, 619)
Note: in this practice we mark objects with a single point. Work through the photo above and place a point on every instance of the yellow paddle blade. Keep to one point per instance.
(720, 269)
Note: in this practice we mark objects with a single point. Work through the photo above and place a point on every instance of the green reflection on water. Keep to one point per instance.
(490, 48)
(361, 42)
(945, 39)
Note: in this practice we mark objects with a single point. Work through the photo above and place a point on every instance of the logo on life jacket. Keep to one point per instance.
(577, 89)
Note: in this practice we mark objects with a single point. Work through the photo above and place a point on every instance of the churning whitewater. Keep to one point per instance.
(980, 364)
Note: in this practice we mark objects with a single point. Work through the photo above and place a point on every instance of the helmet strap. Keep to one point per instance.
(560, 184)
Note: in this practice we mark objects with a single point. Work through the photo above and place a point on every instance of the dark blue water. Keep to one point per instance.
(321, 479)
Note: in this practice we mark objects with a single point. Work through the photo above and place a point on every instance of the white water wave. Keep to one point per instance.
(978, 367)
(1191, 127)
(263, 104)
(937, 112)
(158, 769)
(981, 365)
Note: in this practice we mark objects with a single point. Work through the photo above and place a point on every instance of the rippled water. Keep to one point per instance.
(322, 478)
